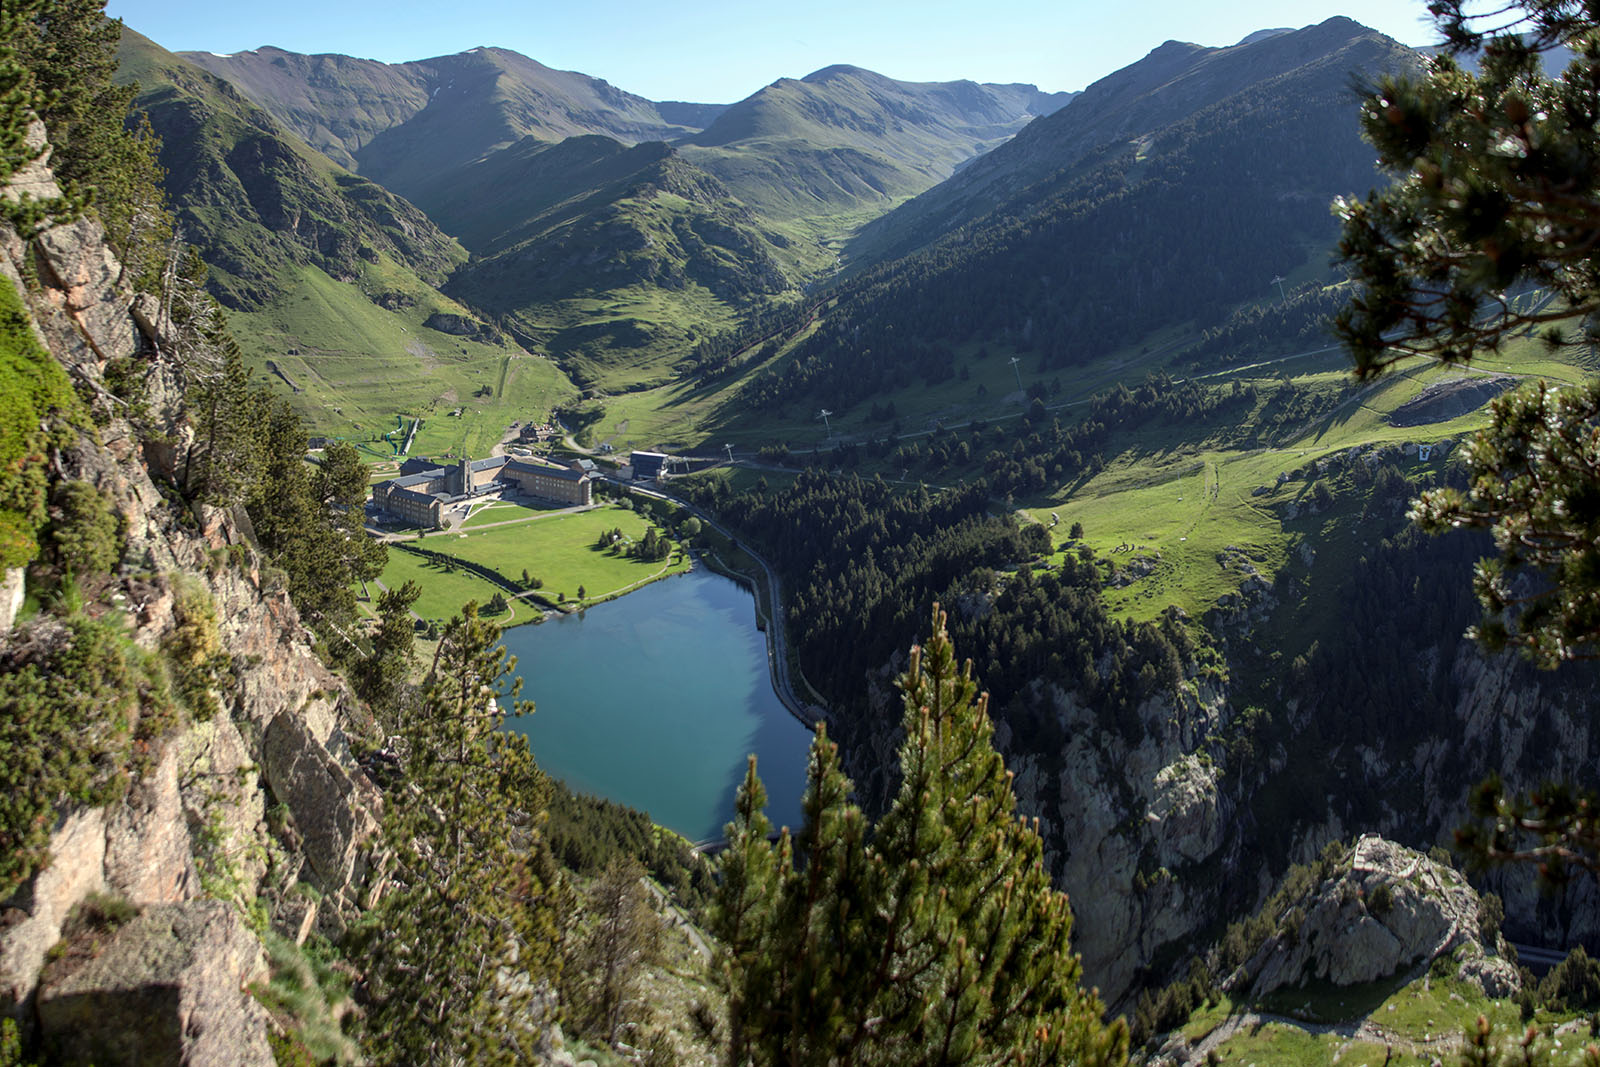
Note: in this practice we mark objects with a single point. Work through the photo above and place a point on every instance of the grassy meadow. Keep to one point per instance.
(375, 366)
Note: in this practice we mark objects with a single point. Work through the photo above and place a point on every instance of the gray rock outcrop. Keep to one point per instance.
(1385, 909)
(193, 821)
(168, 987)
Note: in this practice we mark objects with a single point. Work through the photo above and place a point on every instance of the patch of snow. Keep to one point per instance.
(224, 55)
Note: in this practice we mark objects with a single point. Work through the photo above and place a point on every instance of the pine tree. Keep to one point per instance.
(380, 679)
(224, 453)
(932, 937)
(623, 935)
(70, 49)
(458, 948)
(1487, 234)
(20, 101)
(309, 524)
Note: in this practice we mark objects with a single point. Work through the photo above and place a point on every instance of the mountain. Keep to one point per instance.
(401, 124)
(840, 141)
(844, 139)
(613, 257)
(332, 281)
(1165, 195)
(1120, 114)
(256, 199)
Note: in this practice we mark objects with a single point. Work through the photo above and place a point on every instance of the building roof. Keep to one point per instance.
(532, 466)
(491, 463)
(420, 478)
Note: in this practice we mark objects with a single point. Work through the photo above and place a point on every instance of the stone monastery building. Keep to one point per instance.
(421, 492)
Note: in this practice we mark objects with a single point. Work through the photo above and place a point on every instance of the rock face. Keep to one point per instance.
(1384, 910)
(1119, 819)
(169, 987)
(193, 823)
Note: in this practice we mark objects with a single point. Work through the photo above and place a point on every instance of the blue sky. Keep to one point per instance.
(719, 51)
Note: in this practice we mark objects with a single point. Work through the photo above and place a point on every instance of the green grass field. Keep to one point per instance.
(560, 550)
(506, 511)
(444, 592)
(370, 365)
(1206, 516)
(1423, 1021)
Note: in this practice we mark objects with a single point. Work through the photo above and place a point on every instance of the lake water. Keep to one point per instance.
(654, 700)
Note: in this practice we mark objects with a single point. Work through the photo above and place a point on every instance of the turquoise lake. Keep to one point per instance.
(654, 700)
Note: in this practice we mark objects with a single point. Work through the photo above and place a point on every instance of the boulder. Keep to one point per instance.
(1186, 812)
(457, 325)
(168, 987)
(30, 922)
(147, 855)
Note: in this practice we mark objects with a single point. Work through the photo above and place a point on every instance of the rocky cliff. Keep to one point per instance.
(253, 817)
(1164, 829)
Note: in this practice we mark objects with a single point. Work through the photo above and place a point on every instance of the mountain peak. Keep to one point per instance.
(835, 72)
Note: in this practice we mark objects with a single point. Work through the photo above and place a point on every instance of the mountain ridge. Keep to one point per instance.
(1118, 109)
(396, 122)
(256, 198)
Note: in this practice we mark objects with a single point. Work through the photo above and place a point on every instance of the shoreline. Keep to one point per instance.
(770, 622)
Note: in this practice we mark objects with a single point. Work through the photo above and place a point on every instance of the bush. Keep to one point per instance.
(1381, 900)
(69, 696)
(85, 534)
(195, 657)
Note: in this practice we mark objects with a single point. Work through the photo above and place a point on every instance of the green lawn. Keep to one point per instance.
(444, 592)
(559, 550)
(507, 511)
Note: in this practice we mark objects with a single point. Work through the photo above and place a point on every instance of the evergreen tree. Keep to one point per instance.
(1486, 234)
(623, 935)
(340, 484)
(20, 101)
(1496, 198)
(224, 453)
(309, 524)
(380, 678)
(931, 937)
(70, 48)
(458, 947)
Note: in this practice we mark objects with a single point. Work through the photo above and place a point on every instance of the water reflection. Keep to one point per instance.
(654, 701)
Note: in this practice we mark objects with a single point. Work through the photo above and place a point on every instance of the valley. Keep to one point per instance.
(1143, 538)
(844, 279)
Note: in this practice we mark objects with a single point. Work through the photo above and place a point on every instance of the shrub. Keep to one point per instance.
(69, 696)
(85, 533)
(1381, 900)
(195, 657)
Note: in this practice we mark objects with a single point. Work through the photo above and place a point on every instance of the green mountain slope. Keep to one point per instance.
(256, 200)
(846, 140)
(331, 280)
(1119, 114)
(401, 124)
(1171, 228)
(616, 259)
